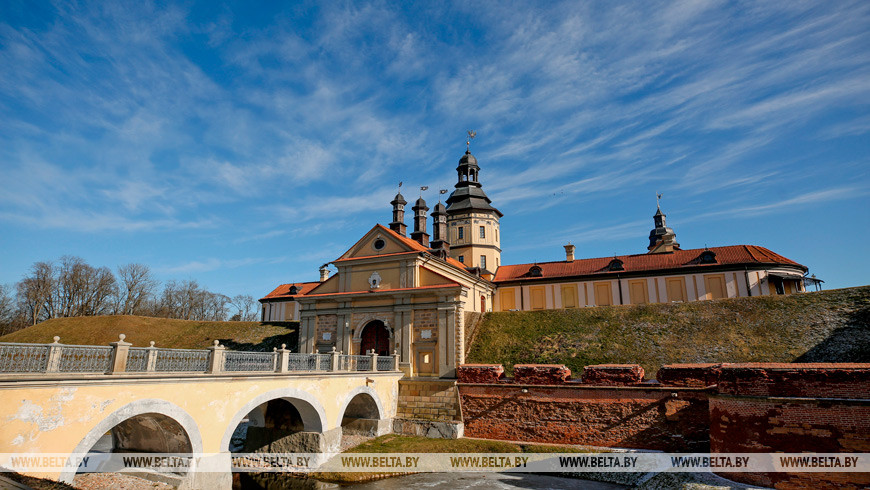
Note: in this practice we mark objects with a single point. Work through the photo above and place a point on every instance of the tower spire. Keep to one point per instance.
(662, 238)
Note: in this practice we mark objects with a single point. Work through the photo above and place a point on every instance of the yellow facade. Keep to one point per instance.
(67, 414)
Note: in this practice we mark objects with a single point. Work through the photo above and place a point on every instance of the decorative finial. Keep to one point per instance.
(56, 339)
(151, 344)
(471, 134)
(283, 346)
(216, 342)
(122, 337)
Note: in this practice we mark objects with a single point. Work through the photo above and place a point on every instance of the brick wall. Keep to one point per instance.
(325, 324)
(820, 408)
(425, 320)
(428, 400)
(648, 418)
(541, 404)
(728, 408)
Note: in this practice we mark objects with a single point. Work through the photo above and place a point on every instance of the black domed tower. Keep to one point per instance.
(398, 224)
(472, 221)
(419, 234)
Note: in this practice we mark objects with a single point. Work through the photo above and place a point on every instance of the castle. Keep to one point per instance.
(409, 295)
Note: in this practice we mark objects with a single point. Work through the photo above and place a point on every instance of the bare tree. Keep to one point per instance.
(82, 290)
(11, 318)
(36, 292)
(245, 306)
(136, 285)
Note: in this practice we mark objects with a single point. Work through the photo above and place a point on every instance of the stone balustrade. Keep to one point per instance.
(120, 357)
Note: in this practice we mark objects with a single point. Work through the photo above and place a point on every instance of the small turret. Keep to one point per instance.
(439, 229)
(419, 235)
(398, 224)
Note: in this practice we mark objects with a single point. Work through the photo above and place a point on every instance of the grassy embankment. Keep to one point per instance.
(165, 332)
(828, 326)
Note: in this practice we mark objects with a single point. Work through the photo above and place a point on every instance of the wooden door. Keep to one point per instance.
(375, 336)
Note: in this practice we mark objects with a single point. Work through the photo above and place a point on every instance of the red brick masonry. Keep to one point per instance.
(727, 408)
(612, 374)
(480, 373)
(541, 374)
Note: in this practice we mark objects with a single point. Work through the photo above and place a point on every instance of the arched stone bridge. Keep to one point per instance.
(45, 411)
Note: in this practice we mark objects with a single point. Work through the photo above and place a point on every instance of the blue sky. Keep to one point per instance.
(244, 144)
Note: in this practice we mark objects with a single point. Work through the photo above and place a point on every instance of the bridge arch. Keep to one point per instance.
(381, 413)
(309, 408)
(148, 406)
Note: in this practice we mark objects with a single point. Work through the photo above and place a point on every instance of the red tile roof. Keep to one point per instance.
(283, 291)
(734, 255)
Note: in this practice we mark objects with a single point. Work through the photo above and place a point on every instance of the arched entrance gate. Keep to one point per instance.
(375, 336)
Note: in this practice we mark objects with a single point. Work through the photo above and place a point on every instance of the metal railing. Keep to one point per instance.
(23, 358)
(250, 361)
(121, 357)
(384, 363)
(355, 363)
(137, 359)
(324, 362)
(182, 360)
(85, 359)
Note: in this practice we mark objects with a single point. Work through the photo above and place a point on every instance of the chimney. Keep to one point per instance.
(324, 272)
(419, 234)
(569, 252)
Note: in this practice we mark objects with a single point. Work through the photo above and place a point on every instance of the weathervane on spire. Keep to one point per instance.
(471, 134)
(658, 200)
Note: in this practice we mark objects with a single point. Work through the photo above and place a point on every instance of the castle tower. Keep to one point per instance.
(398, 224)
(419, 234)
(472, 222)
(662, 239)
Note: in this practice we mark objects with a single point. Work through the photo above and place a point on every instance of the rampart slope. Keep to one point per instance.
(165, 332)
(827, 326)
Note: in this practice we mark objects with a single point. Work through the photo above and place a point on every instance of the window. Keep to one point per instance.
(483, 261)
(462, 258)
(460, 233)
(482, 232)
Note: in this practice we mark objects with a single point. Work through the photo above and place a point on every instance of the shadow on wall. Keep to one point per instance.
(291, 339)
(850, 343)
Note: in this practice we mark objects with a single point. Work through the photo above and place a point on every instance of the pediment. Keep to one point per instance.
(380, 241)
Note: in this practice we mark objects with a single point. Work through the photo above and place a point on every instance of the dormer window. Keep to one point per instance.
(294, 290)
(535, 271)
(708, 257)
(615, 265)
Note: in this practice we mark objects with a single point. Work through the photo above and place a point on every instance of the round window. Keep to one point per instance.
(379, 244)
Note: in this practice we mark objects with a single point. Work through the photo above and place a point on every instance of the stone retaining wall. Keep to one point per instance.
(724, 408)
